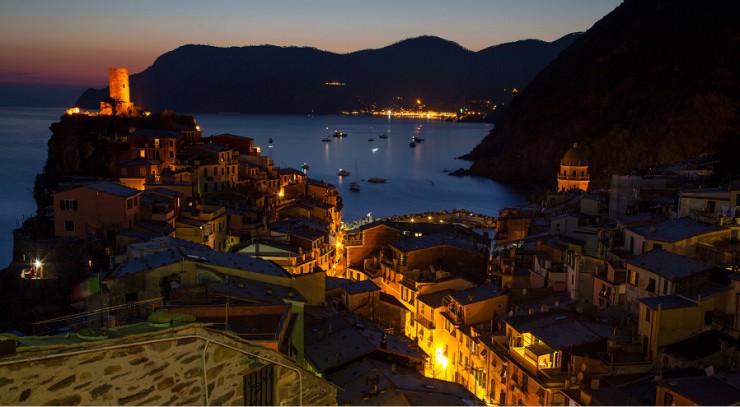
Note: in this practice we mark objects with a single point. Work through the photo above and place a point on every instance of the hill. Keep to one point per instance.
(653, 82)
(271, 79)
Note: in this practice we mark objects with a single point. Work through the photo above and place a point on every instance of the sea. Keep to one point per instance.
(417, 178)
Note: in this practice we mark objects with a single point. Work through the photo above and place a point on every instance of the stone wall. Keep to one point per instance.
(160, 368)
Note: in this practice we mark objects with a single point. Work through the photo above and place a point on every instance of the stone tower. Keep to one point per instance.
(118, 84)
(574, 170)
(118, 91)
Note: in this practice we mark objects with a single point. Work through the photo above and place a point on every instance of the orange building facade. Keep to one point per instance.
(91, 210)
(574, 170)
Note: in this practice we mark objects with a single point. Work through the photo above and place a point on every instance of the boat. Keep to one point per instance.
(412, 144)
(417, 139)
(269, 141)
(342, 173)
(371, 139)
(326, 139)
(383, 136)
(353, 186)
(376, 180)
(340, 134)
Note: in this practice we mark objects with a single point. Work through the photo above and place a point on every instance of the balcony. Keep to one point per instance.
(574, 178)
(164, 216)
(424, 322)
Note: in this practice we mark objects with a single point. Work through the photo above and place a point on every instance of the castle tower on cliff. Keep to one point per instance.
(574, 170)
(119, 94)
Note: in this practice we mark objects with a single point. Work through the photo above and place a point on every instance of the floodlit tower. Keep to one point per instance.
(118, 84)
(574, 170)
(119, 93)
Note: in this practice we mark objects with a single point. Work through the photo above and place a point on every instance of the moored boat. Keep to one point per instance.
(353, 186)
(375, 180)
(342, 173)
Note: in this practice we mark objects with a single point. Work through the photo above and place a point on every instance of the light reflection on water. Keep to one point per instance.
(416, 177)
(416, 180)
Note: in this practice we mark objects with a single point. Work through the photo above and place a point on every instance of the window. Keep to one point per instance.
(647, 315)
(665, 287)
(651, 285)
(668, 399)
(172, 143)
(657, 246)
(708, 317)
(525, 382)
(634, 278)
(68, 204)
(129, 203)
(737, 200)
(172, 154)
(69, 226)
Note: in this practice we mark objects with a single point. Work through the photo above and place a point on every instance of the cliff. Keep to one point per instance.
(270, 79)
(89, 146)
(653, 82)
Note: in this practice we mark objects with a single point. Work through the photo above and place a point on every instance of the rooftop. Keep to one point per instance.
(668, 265)
(704, 390)
(476, 293)
(557, 329)
(113, 188)
(434, 300)
(433, 240)
(700, 346)
(667, 302)
(200, 254)
(396, 383)
(675, 230)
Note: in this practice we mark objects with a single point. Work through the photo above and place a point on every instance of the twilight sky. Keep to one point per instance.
(75, 41)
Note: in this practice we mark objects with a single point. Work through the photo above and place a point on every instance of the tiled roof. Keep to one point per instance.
(667, 302)
(476, 294)
(704, 390)
(427, 241)
(357, 287)
(200, 254)
(113, 188)
(557, 329)
(668, 265)
(675, 230)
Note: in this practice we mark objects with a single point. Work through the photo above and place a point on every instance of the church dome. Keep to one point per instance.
(576, 156)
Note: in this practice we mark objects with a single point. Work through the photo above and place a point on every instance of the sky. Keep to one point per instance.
(71, 42)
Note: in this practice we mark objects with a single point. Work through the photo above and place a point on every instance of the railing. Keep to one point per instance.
(574, 177)
(425, 322)
(132, 311)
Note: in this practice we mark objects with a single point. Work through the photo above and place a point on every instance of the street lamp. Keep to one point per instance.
(38, 265)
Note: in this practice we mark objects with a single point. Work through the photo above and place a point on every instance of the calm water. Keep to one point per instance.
(416, 177)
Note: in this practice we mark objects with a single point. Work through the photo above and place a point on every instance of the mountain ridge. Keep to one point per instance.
(651, 83)
(275, 79)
